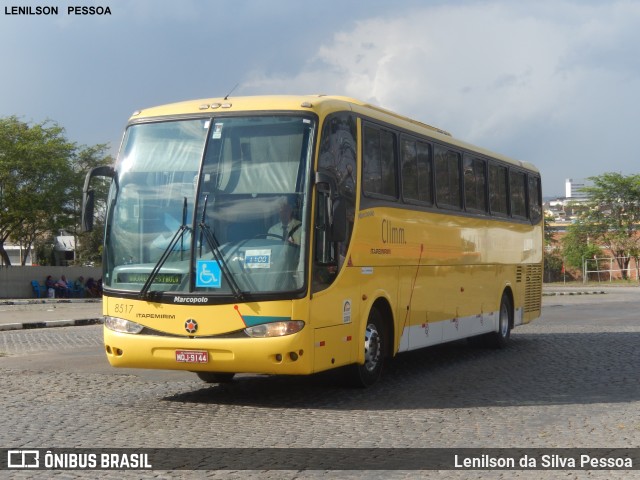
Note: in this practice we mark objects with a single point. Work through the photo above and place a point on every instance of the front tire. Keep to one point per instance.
(375, 344)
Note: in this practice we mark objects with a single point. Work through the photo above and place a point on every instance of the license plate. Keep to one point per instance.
(192, 356)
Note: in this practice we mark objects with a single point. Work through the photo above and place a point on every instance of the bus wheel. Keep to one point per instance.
(500, 338)
(375, 343)
(212, 377)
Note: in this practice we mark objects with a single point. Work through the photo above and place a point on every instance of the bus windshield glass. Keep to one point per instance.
(210, 206)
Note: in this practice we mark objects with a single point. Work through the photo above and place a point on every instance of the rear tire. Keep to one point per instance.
(375, 347)
(212, 377)
(501, 338)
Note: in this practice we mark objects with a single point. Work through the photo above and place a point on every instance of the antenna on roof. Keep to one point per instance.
(231, 91)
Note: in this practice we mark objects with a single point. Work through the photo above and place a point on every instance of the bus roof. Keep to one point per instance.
(320, 104)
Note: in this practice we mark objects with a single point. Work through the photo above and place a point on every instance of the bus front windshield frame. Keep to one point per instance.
(213, 206)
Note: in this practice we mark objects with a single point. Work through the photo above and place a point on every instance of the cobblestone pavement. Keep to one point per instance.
(570, 379)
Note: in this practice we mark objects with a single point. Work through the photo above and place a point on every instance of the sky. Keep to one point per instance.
(554, 83)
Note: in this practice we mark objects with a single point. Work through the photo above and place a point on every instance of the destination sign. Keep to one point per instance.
(166, 278)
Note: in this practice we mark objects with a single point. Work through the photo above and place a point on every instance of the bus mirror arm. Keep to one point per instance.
(337, 223)
(87, 210)
(88, 194)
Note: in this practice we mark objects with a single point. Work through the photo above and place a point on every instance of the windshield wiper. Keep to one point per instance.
(214, 245)
(178, 236)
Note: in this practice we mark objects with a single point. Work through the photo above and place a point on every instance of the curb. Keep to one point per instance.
(51, 324)
(553, 294)
(48, 301)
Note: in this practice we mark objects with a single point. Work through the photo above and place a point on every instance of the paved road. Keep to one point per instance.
(16, 314)
(570, 379)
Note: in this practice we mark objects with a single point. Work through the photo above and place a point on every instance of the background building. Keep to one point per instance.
(16, 254)
(574, 189)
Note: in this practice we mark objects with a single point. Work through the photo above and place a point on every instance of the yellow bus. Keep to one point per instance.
(296, 234)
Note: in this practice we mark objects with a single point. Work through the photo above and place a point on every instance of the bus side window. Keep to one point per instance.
(518, 194)
(535, 199)
(379, 162)
(475, 184)
(417, 172)
(448, 178)
(498, 190)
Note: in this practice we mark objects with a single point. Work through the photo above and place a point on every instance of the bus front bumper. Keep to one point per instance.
(286, 355)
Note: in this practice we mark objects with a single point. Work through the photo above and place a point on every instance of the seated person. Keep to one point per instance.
(62, 288)
(50, 283)
(288, 227)
(91, 287)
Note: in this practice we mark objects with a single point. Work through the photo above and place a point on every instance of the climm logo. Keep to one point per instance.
(392, 234)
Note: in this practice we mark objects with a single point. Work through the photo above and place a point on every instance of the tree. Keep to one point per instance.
(549, 232)
(577, 244)
(612, 215)
(552, 259)
(34, 180)
(41, 179)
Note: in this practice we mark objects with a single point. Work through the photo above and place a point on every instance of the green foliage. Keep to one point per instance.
(41, 175)
(610, 217)
(549, 232)
(577, 245)
(552, 266)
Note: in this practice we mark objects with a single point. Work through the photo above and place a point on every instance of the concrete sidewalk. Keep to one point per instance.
(42, 313)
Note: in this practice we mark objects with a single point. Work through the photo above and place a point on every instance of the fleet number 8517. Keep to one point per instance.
(122, 308)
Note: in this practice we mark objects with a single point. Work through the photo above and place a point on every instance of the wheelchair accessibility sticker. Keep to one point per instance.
(208, 274)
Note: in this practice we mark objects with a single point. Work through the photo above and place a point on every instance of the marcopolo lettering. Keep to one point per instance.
(177, 299)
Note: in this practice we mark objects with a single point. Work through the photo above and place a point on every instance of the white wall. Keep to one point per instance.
(15, 282)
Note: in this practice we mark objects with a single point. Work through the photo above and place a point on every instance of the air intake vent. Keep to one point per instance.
(533, 289)
(519, 274)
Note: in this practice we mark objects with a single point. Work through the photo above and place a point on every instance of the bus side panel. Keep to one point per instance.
(333, 347)
(334, 315)
(447, 303)
(418, 306)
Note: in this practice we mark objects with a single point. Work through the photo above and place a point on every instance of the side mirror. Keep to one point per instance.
(88, 194)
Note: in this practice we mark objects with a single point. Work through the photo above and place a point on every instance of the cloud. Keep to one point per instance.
(556, 83)
(438, 61)
(494, 73)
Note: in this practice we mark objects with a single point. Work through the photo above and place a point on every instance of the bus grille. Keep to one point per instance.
(533, 297)
(518, 274)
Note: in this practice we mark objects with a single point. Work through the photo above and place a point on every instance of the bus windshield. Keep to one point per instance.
(210, 206)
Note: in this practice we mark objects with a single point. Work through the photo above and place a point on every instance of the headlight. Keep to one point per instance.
(121, 325)
(275, 329)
